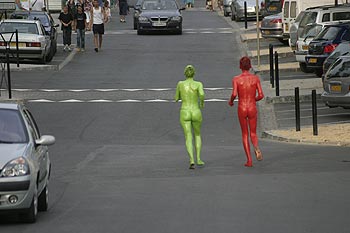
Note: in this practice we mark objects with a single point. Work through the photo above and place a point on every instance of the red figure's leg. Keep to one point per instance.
(253, 136)
(244, 127)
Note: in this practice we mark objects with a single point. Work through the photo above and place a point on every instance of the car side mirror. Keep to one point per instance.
(45, 140)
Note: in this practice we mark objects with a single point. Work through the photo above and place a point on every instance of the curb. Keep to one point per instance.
(256, 70)
(289, 99)
(275, 137)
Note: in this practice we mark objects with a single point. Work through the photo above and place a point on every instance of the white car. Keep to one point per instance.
(33, 42)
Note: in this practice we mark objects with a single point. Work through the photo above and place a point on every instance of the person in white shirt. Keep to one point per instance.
(97, 21)
(28, 5)
(37, 5)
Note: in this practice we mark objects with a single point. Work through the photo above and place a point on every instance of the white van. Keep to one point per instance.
(292, 8)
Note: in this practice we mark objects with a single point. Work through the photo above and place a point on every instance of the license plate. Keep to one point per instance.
(13, 44)
(272, 8)
(313, 60)
(336, 88)
(267, 32)
(159, 24)
(286, 27)
(305, 47)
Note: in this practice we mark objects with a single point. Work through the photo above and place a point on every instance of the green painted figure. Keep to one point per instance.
(191, 94)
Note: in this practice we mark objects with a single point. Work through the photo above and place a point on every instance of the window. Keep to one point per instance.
(12, 127)
(328, 33)
(309, 18)
(33, 127)
(346, 35)
(340, 68)
(341, 16)
(286, 10)
(293, 9)
(29, 28)
(326, 17)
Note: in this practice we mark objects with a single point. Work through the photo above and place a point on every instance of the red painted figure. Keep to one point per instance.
(246, 86)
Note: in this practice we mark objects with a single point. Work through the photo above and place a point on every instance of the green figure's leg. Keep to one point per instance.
(185, 119)
(197, 123)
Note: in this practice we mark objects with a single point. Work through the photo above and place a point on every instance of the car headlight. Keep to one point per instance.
(176, 18)
(17, 167)
(143, 19)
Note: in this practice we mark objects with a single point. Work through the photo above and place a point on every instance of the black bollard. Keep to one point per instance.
(297, 109)
(245, 15)
(8, 70)
(272, 77)
(314, 113)
(17, 53)
(277, 75)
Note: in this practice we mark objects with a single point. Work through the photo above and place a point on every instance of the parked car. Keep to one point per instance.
(336, 84)
(33, 42)
(46, 20)
(343, 49)
(237, 9)
(292, 8)
(293, 35)
(24, 163)
(324, 44)
(323, 14)
(271, 27)
(227, 7)
(302, 45)
(272, 7)
(160, 15)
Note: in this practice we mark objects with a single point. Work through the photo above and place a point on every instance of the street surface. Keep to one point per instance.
(120, 164)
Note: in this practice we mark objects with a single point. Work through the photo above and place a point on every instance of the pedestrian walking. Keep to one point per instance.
(107, 10)
(123, 9)
(246, 86)
(72, 9)
(80, 22)
(97, 21)
(191, 94)
(66, 20)
(87, 9)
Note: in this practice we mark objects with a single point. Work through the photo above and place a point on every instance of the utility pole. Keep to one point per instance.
(257, 31)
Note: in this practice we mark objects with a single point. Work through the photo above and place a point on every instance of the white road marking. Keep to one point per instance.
(132, 90)
(159, 89)
(71, 101)
(116, 101)
(79, 90)
(49, 90)
(112, 89)
(105, 90)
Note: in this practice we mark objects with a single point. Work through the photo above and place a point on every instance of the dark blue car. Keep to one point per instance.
(324, 44)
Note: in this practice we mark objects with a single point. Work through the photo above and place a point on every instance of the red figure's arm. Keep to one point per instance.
(234, 92)
(260, 91)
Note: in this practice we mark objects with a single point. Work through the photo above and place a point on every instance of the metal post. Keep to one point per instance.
(245, 15)
(314, 113)
(8, 70)
(336, 2)
(257, 31)
(297, 109)
(277, 75)
(272, 82)
(17, 51)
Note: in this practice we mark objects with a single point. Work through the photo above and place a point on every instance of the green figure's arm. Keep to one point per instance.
(177, 94)
(201, 95)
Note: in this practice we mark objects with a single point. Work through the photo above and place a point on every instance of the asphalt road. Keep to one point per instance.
(122, 166)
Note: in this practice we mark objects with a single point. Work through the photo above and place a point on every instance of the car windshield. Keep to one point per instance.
(29, 28)
(12, 128)
(328, 33)
(309, 17)
(33, 16)
(311, 31)
(340, 68)
(159, 5)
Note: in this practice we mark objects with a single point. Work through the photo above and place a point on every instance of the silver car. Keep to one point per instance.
(24, 163)
(237, 9)
(271, 27)
(336, 84)
(33, 42)
(227, 7)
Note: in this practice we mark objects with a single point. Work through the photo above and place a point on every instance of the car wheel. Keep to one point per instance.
(31, 214)
(43, 201)
(50, 55)
(225, 13)
(232, 16)
(319, 72)
(304, 68)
